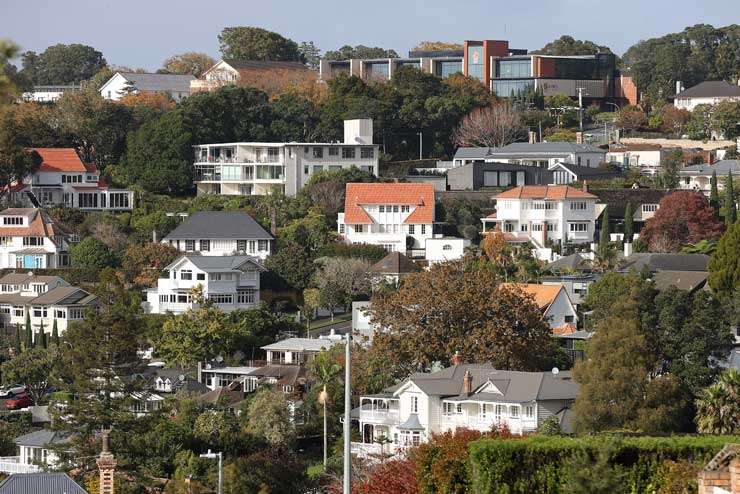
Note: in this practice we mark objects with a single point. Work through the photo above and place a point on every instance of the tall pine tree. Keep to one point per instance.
(629, 229)
(18, 345)
(730, 210)
(29, 331)
(41, 337)
(55, 334)
(714, 192)
(604, 234)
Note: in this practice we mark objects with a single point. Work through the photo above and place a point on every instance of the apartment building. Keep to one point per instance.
(221, 233)
(29, 238)
(398, 217)
(260, 168)
(62, 179)
(229, 282)
(176, 86)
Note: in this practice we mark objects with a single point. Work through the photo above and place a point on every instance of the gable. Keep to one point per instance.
(407, 387)
(488, 387)
(114, 81)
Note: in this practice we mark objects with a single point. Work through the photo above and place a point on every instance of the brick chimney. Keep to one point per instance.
(579, 137)
(467, 383)
(457, 359)
(107, 466)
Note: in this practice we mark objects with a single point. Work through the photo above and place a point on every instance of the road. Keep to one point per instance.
(340, 327)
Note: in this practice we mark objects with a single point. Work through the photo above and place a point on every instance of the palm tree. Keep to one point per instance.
(325, 371)
(718, 408)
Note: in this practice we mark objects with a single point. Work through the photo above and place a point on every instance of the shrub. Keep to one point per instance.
(372, 253)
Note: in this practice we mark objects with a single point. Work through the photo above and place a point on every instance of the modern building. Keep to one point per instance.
(646, 158)
(705, 93)
(176, 86)
(229, 282)
(229, 71)
(553, 300)
(260, 168)
(398, 216)
(29, 238)
(441, 248)
(698, 177)
(62, 179)
(478, 174)
(221, 233)
(46, 300)
(542, 154)
(48, 94)
(470, 396)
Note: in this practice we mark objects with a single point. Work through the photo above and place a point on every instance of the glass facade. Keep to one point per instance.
(514, 68)
(504, 88)
(377, 70)
(475, 62)
(447, 68)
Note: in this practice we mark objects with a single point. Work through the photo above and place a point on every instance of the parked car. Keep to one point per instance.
(18, 402)
(12, 390)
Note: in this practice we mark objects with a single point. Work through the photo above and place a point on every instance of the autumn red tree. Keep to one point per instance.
(684, 217)
(143, 265)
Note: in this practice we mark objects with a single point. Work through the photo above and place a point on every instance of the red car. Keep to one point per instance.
(17, 402)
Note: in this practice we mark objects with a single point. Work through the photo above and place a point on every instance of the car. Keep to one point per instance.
(18, 402)
(12, 390)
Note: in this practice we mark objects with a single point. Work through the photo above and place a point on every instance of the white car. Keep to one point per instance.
(12, 390)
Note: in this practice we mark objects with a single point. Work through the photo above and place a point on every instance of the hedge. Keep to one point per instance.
(536, 464)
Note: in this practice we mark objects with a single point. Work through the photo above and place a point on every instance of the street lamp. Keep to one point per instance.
(220, 456)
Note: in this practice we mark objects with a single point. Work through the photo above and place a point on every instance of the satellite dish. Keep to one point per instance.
(555, 371)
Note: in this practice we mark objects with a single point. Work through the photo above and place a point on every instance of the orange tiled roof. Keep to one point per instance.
(39, 226)
(565, 329)
(544, 192)
(60, 160)
(420, 196)
(543, 295)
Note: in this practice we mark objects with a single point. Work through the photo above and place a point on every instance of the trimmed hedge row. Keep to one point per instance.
(536, 464)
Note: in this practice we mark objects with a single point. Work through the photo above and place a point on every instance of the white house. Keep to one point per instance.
(48, 94)
(62, 179)
(260, 168)
(705, 93)
(45, 299)
(229, 282)
(698, 177)
(396, 216)
(177, 86)
(554, 302)
(221, 233)
(542, 154)
(298, 351)
(442, 249)
(543, 215)
(472, 396)
(29, 238)
(646, 158)
(35, 452)
(230, 71)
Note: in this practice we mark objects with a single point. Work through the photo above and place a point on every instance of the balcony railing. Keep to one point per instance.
(389, 416)
(12, 464)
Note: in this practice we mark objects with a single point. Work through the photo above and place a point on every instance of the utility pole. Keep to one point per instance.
(580, 107)
(220, 457)
(420, 147)
(347, 485)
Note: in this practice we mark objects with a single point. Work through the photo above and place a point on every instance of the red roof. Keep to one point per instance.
(544, 192)
(62, 160)
(419, 196)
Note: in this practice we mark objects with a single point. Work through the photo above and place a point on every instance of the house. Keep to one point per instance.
(472, 396)
(221, 233)
(643, 202)
(698, 177)
(247, 72)
(722, 474)
(176, 86)
(553, 300)
(229, 282)
(544, 215)
(62, 179)
(398, 216)
(393, 268)
(46, 300)
(566, 173)
(655, 262)
(40, 483)
(441, 248)
(30, 238)
(35, 452)
(705, 93)
(227, 397)
(574, 343)
(261, 168)
(646, 158)
(541, 154)
(48, 94)
(216, 375)
(297, 351)
(172, 381)
(478, 174)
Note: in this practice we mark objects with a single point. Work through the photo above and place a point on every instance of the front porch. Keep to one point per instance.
(483, 416)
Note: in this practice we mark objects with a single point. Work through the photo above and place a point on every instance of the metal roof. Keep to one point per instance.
(302, 344)
(159, 82)
(711, 89)
(41, 438)
(219, 225)
(665, 262)
(218, 263)
(411, 424)
(40, 483)
(722, 167)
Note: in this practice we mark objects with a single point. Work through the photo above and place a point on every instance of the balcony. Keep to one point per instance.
(379, 416)
(376, 451)
(12, 464)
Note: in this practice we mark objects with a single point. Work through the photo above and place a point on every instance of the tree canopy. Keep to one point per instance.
(567, 45)
(724, 265)
(191, 62)
(62, 64)
(347, 52)
(254, 43)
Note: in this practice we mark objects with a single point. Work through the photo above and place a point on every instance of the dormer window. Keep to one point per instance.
(12, 220)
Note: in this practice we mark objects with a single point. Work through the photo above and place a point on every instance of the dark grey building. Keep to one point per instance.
(477, 175)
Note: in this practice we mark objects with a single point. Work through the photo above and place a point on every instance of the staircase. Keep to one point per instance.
(32, 198)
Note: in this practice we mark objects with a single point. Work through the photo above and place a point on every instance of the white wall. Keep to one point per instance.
(559, 309)
(445, 249)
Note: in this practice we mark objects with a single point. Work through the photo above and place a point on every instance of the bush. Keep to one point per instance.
(536, 464)
(91, 253)
(372, 253)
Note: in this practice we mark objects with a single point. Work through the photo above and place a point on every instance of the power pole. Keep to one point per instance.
(580, 107)
(420, 147)
(347, 485)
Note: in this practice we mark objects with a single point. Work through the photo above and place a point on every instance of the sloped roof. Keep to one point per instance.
(235, 225)
(571, 262)
(683, 280)
(418, 195)
(40, 226)
(264, 65)
(395, 263)
(159, 82)
(40, 483)
(722, 167)
(665, 262)
(42, 438)
(302, 344)
(218, 263)
(60, 160)
(543, 295)
(617, 199)
(586, 171)
(222, 394)
(545, 148)
(552, 192)
(23, 278)
(710, 89)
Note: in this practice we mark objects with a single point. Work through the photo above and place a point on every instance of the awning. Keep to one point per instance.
(31, 250)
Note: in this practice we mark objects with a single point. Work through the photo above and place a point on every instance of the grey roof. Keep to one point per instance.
(587, 171)
(481, 152)
(722, 167)
(302, 344)
(546, 147)
(219, 225)
(395, 263)
(219, 263)
(22, 278)
(159, 82)
(40, 483)
(683, 280)
(617, 199)
(411, 424)
(571, 262)
(709, 89)
(665, 262)
(264, 64)
(42, 438)
(61, 295)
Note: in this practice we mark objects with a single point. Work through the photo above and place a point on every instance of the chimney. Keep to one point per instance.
(107, 466)
(679, 87)
(467, 383)
(154, 236)
(532, 137)
(585, 186)
(457, 359)
(627, 249)
(579, 137)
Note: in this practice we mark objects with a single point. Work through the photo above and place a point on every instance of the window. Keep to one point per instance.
(12, 220)
(358, 228)
(423, 229)
(514, 68)
(569, 318)
(75, 312)
(475, 61)
(341, 228)
(333, 151)
(509, 227)
(18, 311)
(245, 297)
(446, 247)
(222, 276)
(499, 411)
(452, 408)
(505, 88)
(262, 245)
(578, 206)
(524, 228)
(6, 241)
(414, 404)
(578, 227)
(222, 298)
(381, 209)
(395, 209)
(5, 309)
(318, 152)
(305, 170)
(190, 245)
(186, 274)
(411, 229)
(552, 227)
(514, 411)
(447, 68)
(547, 205)
(252, 245)
(33, 241)
(39, 311)
(87, 200)
(367, 152)
(200, 276)
(241, 245)
(537, 227)
(205, 245)
(60, 314)
(348, 152)
(649, 208)
(273, 154)
(318, 168)
(529, 411)
(405, 209)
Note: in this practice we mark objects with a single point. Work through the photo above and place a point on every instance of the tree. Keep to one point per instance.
(62, 64)
(341, 280)
(725, 118)
(269, 418)
(326, 372)
(293, 264)
(29, 332)
(730, 207)
(311, 303)
(596, 472)
(714, 193)
(436, 46)
(15, 162)
(55, 334)
(91, 253)
(493, 126)
(631, 118)
(684, 217)
(568, 46)
(347, 52)
(191, 62)
(33, 368)
(311, 54)
(718, 407)
(629, 229)
(604, 233)
(724, 265)
(609, 289)
(253, 43)
(7, 88)
(143, 265)
(674, 120)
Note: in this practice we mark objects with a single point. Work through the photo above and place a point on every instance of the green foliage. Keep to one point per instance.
(594, 472)
(629, 229)
(714, 192)
(33, 368)
(730, 206)
(669, 167)
(567, 45)
(369, 252)
(91, 253)
(561, 136)
(718, 407)
(15, 163)
(269, 417)
(347, 52)
(253, 43)
(62, 64)
(724, 265)
(604, 233)
(550, 426)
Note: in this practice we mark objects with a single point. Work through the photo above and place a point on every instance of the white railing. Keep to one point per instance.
(12, 464)
(382, 416)
(376, 450)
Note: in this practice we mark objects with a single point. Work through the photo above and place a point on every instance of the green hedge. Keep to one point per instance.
(372, 253)
(536, 464)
